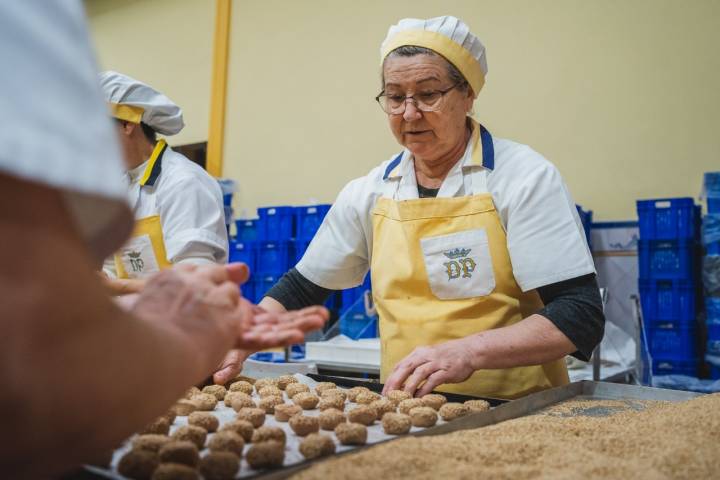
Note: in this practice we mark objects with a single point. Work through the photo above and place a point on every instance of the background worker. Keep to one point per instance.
(178, 207)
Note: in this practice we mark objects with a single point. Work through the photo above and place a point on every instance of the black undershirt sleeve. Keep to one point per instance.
(294, 291)
(575, 308)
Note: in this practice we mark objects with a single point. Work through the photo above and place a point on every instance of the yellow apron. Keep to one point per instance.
(441, 271)
(145, 252)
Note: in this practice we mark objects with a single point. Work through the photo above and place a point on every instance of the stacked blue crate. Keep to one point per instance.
(245, 252)
(711, 182)
(276, 224)
(308, 220)
(711, 271)
(275, 250)
(227, 187)
(274, 257)
(264, 282)
(667, 255)
(246, 229)
(354, 320)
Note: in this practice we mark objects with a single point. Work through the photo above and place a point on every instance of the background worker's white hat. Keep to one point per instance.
(134, 101)
(447, 36)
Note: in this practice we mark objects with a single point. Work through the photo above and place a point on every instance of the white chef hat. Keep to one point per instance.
(134, 101)
(447, 36)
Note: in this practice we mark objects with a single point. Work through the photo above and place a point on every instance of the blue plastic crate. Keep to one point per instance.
(714, 372)
(677, 343)
(711, 181)
(297, 351)
(667, 219)
(227, 186)
(712, 248)
(712, 309)
(354, 323)
(263, 283)
(713, 331)
(272, 357)
(300, 249)
(274, 257)
(333, 301)
(667, 300)
(667, 260)
(673, 366)
(276, 223)
(246, 230)
(228, 211)
(713, 204)
(308, 220)
(245, 252)
(349, 296)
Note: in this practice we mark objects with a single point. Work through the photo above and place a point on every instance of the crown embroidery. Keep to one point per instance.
(457, 253)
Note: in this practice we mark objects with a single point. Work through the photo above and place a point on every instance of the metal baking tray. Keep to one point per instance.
(376, 386)
(508, 410)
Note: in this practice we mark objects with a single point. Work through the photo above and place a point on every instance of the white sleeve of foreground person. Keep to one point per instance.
(54, 125)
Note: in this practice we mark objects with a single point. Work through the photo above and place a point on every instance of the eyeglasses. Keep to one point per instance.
(425, 101)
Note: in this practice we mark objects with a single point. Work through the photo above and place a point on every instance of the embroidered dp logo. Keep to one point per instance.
(460, 265)
(136, 263)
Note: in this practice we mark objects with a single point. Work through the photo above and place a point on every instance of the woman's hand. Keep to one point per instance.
(263, 329)
(119, 287)
(427, 367)
(200, 306)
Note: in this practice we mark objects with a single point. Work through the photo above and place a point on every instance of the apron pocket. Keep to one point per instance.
(459, 265)
(138, 257)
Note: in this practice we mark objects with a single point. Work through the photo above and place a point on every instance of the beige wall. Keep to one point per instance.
(166, 43)
(621, 95)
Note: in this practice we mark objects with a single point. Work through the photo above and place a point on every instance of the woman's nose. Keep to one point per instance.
(411, 112)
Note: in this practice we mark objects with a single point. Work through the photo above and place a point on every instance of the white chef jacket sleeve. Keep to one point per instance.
(338, 256)
(193, 222)
(54, 125)
(545, 237)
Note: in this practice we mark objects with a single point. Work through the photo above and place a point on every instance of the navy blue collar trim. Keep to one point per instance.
(392, 165)
(157, 169)
(488, 151)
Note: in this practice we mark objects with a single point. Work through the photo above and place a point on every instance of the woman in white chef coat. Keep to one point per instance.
(481, 272)
(179, 215)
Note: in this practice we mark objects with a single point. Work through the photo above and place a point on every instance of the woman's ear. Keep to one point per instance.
(128, 128)
(469, 101)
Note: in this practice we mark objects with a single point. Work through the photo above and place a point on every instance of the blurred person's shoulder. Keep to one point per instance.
(56, 129)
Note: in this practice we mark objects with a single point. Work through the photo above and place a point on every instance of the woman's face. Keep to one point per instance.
(428, 135)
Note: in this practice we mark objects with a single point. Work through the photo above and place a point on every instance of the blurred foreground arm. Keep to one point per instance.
(78, 373)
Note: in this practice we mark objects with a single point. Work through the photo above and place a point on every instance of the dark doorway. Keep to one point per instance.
(197, 152)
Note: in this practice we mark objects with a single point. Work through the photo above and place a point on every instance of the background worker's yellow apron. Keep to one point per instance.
(441, 271)
(144, 253)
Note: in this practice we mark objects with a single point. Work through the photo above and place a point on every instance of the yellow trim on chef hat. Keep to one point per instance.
(420, 33)
(129, 113)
